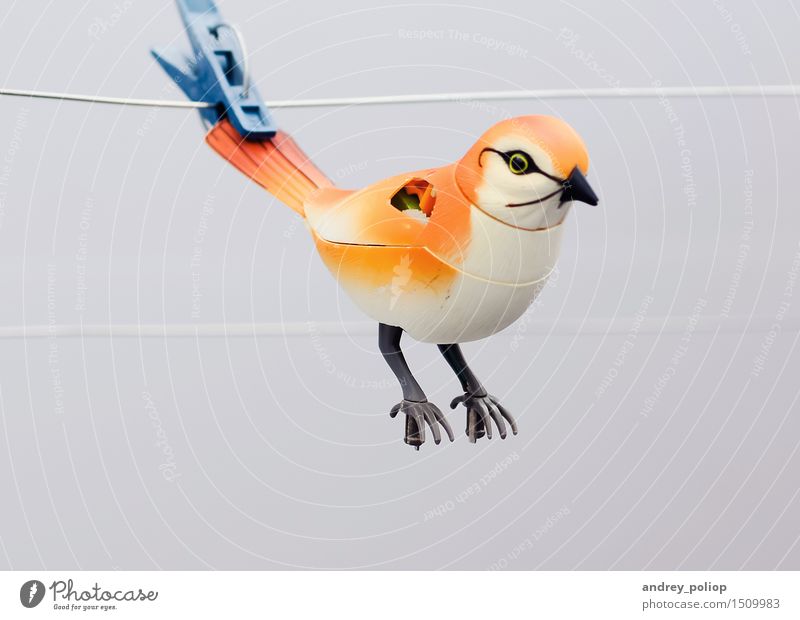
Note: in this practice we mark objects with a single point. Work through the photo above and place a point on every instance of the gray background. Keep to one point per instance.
(280, 450)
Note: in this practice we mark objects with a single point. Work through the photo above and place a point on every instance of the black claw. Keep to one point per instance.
(482, 410)
(475, 426)
(504, 412)
(413, 436)
(443, 421)
(437, 437)
(418, 414)
(498, 420)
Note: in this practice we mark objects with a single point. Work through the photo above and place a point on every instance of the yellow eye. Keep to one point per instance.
(518, 163)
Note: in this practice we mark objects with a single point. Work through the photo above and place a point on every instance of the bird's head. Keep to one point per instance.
(526, 171)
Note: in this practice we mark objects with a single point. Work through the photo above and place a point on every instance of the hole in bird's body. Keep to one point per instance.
(416, 198)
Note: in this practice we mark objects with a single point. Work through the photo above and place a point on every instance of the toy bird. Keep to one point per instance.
(448, 255)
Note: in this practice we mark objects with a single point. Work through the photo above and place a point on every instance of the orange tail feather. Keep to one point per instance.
(278, 165)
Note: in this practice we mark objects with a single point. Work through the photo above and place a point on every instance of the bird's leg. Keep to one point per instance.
(471, 386)
(455, 358)
(415, 405)
(389, 344)
(481, 407)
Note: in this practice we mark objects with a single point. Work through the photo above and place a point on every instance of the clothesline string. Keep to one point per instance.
(598, 325)
(782, 90)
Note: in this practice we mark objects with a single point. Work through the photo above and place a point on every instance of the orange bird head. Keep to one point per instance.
(524, 171)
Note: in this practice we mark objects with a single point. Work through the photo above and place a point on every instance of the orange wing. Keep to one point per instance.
(379, 215)
(365, 217)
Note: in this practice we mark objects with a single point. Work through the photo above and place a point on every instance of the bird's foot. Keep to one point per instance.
(418, 414)
(481, 410)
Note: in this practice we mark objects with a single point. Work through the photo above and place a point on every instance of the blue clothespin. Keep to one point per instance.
(216, 72)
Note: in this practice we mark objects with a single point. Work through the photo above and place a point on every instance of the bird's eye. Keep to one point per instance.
(519, 162)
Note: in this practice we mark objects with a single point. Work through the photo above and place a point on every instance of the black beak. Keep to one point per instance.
(577, 188)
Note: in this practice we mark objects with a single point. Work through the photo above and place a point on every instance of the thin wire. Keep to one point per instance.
(782, 90)
(181, 330)
(674, 324)
(788, 90)
(153, 103)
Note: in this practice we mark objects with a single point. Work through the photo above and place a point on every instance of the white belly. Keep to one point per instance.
(503, 273)
(474, 310)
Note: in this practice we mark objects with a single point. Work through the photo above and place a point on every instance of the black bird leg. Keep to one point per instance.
(415, 405)
(482, 408)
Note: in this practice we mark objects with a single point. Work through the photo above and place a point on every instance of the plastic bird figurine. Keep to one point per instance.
(448, 255)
